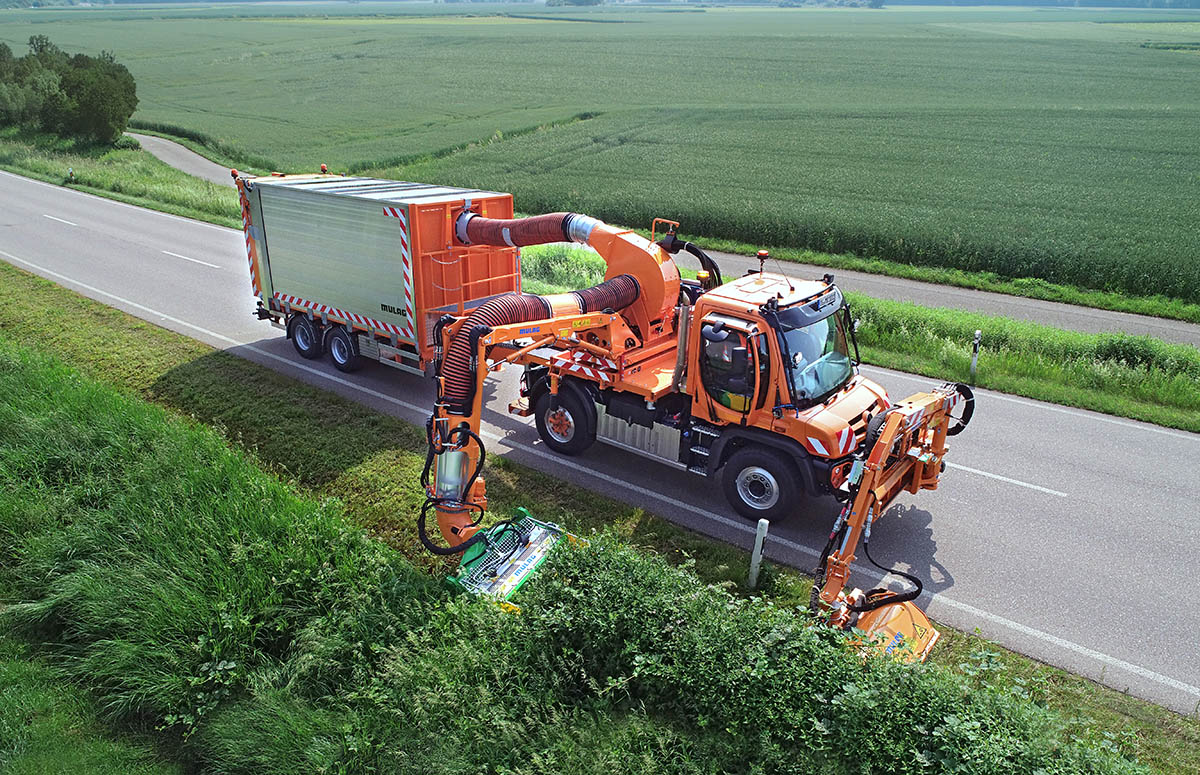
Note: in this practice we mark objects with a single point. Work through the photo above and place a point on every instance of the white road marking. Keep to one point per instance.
(1046, 637)
(1050, 407)
(193, 260)
(60, 220)
(1017, 482)
(1000, 621)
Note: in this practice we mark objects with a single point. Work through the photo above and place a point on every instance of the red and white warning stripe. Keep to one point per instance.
(251, 250)
(348, 317)
(815, 445)
(845, 440)
(914, 419)
(843, 444)
(406, 257)
(585, 364)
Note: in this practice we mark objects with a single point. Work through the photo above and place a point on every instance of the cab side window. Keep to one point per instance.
(726, 375)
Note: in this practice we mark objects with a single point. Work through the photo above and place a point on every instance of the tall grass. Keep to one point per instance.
(130, 174)
(264, 633)
(49, 726)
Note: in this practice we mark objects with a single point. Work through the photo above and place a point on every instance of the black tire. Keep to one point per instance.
(569, 428)
(761, 482)
(343, 350)
(305, 336)
(874, 428)
(958, 421)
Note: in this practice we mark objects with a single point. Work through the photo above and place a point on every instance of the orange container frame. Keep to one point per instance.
(450, 279)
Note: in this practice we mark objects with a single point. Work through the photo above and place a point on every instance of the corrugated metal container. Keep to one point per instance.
(377, 255)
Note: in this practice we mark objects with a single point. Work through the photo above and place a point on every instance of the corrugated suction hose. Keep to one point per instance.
(458, 376)
(473, 229)
(458, 370)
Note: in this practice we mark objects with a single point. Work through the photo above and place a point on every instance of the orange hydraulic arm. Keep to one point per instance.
(904, 450)
(632, 306)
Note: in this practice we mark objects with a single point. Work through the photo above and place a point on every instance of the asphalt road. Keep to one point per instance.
(183, 158)
(1049, 313)
(1064, 534)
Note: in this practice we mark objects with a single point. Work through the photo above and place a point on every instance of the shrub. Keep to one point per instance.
(81, 96)
(189, 588)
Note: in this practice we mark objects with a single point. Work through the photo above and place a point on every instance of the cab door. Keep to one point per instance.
(732, 364)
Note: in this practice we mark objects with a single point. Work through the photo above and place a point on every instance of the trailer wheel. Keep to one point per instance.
(761, 483)
(568, 428)
(343, 349)
(306, 336)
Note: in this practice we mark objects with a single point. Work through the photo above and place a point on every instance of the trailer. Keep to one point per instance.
(362, 268)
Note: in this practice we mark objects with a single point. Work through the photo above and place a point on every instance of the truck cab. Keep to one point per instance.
(773, 369)
(761, 392)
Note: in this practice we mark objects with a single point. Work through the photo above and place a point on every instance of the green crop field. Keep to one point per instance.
(1062, 144)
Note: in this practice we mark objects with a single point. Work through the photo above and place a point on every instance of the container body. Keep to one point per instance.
(377, 256)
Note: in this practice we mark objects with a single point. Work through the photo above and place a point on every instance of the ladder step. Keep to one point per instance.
(706, 431)
(698, 450)
(520, 407)
(701, 470)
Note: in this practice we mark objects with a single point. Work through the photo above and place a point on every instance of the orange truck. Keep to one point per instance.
(753, 381)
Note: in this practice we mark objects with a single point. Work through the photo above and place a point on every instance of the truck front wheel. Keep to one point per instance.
(306, 336)
(567, 428)
(761, 483)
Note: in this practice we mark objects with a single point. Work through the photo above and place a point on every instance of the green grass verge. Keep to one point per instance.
(126, 175)
(261, 630)
(49, 726)
(370, 462)
(1129, 376)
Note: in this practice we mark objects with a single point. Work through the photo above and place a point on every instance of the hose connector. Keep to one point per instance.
(578, 228)
(460, 226)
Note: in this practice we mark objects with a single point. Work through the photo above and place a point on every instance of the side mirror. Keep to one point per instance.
(714, 332)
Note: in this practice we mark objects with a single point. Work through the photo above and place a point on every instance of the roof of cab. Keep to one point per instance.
(757, 288)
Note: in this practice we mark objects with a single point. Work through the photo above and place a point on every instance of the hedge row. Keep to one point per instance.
(262, 633)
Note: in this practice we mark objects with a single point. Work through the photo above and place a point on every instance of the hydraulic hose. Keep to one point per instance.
(459, 436)
(879, 597)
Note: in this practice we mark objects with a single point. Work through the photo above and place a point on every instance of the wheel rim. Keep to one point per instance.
(757, 487)
(338, 349)
(303, 340)
(560, 425)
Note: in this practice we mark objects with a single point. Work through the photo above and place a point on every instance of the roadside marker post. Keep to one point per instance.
(975, 354)
(760, 535)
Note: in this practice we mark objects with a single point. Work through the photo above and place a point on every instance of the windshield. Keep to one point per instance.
(818, 356)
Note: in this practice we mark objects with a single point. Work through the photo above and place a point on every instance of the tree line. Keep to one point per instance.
(71, 95)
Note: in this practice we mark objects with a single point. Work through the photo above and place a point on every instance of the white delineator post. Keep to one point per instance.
(756, 555)
(975, 353)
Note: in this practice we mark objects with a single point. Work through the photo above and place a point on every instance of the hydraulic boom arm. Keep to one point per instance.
(904, 450)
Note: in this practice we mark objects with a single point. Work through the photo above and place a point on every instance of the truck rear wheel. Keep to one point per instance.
(343, 350)
(305, 336)
(568, 428)
(761, 483)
